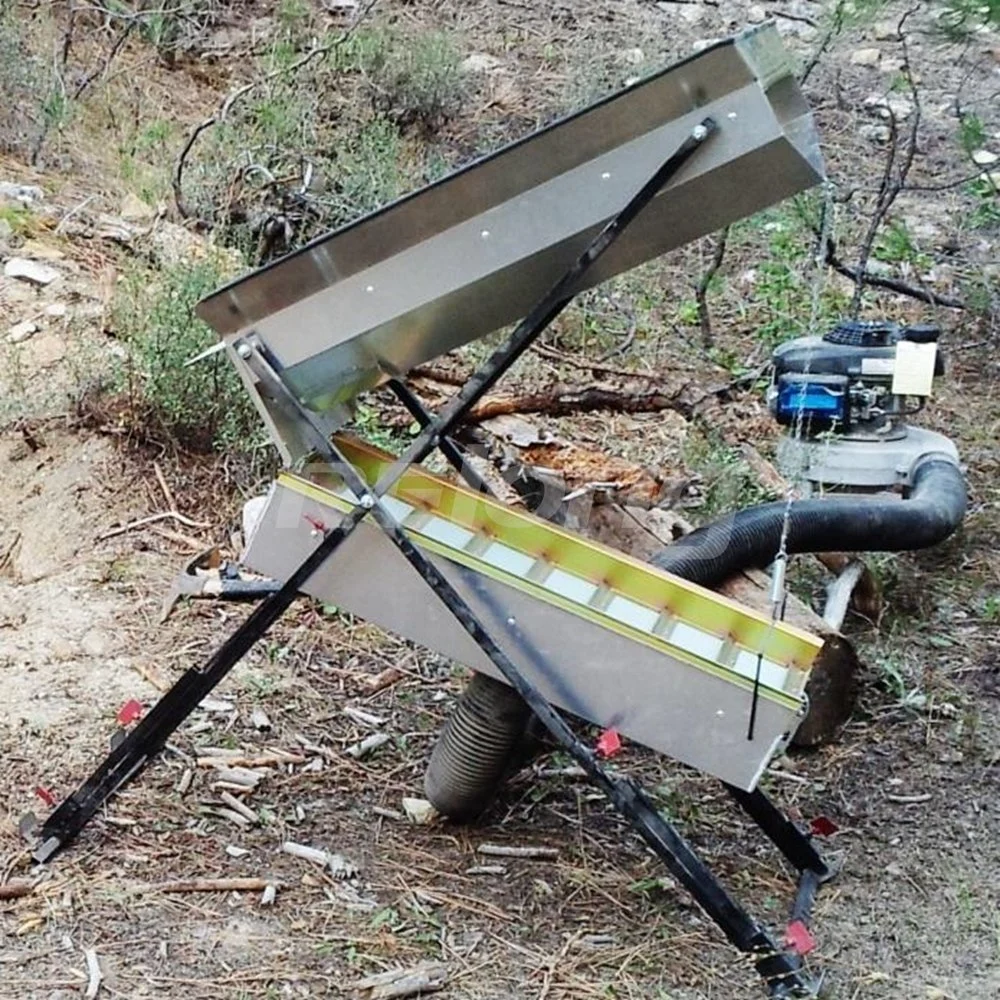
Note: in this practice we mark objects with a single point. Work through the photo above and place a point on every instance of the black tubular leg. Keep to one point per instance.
(781, 970)
(795, 845)
(446, 445)
(131, 754)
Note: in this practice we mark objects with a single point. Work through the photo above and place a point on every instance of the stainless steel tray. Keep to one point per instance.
(472, 253)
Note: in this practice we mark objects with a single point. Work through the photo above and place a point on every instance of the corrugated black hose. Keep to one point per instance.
(483, 740)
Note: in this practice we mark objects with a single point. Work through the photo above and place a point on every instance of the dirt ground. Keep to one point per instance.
(913, 782)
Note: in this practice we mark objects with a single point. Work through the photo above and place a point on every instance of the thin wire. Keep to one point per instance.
(779, 585)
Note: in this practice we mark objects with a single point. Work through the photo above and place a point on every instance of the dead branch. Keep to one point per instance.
(563, 400)
(890, 284)
(836, 27)
(152, 519)
(399, 983)
(226, 106)
(701, 289)
(893, 180)
(17, 889)
(102, 71)
(213, 885)
(507, 851)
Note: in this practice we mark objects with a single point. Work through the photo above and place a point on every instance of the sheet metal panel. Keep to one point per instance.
(618, 676)
(473, 252)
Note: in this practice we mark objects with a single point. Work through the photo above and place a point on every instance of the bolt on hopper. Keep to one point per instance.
(562, 620)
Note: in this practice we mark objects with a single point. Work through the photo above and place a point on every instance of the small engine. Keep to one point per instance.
(845, 399)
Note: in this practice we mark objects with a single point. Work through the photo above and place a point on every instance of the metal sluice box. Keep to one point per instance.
(564, 621)
(608, 638)
(604, 636)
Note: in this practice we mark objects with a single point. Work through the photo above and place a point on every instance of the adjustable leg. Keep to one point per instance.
(795, 845)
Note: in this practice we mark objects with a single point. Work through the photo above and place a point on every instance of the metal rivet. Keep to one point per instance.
(699, 132)
(605, 176)
(511, 621)
(367, 501)
(731, 116)
(244, 350)
(485, 234)
(370, 289)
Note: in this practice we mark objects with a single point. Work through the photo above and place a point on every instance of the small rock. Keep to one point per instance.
(891, 65)
(419, 811)
(691, 13)
(37, 250)
(890, 105)
(96, 642)
(20, 332)
(885, 31)
(61, 649)
(481, 62)
(984, 158)
(46, 350)
(57, 310)
(259, 719)
(6, 232)
(634, 57)
(756, 14)
(878, 268)
(134, 209)
(866, 57)
(172, 244)
(32, 271)
(875, 133)
(26, 194)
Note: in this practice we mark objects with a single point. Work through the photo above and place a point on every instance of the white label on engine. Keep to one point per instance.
(878, 366)
(914, 373)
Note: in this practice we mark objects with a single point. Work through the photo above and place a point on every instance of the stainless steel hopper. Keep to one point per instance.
(471, 253)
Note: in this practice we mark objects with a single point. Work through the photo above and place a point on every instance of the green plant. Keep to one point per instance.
(895, 245)
(201, 406)
(960, 18)
(367, 169)
(985, 213)
(728, 482)
(18, 217)
(416, 79)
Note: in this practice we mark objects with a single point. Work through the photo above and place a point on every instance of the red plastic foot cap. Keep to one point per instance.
(799, 938)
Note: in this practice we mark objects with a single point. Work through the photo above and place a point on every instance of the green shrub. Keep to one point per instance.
(201, 407)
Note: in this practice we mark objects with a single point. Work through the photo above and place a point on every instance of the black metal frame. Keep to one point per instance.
(782, 970)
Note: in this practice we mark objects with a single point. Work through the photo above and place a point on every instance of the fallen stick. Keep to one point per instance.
(420, 980)
(214, 885)
(94, 975)
(264, 760)
(503, 851)
(17, 889)
(239, 807)
(564, 400)
(152, 519)
(337, 865)
(367, 745)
